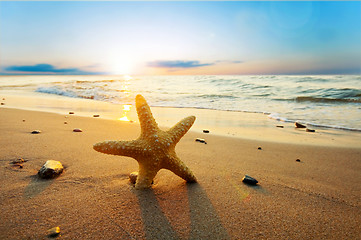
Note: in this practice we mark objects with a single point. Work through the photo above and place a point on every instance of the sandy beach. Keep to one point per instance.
(316, 198)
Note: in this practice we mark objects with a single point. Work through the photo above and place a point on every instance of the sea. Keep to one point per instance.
(329, 101)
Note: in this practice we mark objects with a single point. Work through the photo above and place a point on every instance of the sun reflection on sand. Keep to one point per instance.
(126, 110)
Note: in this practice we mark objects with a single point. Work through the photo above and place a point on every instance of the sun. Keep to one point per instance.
(121, 67)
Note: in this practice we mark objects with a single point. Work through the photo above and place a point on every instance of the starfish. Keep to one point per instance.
(154, 149)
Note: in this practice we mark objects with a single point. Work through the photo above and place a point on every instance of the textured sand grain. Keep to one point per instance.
(317, 198)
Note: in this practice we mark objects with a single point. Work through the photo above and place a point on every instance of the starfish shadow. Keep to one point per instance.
(205, 223)
(156, 224)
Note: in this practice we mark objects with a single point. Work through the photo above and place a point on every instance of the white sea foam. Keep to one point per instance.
(327, 101)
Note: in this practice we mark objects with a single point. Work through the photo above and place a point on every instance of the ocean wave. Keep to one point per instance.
(96, 81)
(57, 91)
(327, 100)
(277, 117)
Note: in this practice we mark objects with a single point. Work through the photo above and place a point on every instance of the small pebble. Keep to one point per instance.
(133, 177)
(19, 161)
(259, 148)
(3, 98)
(65, 122)
(2, 103)
(96, 115)
(23, 120)
(205, 131)
(299, 125)
(201, 140)
(71, 112)
(249, 180)
(280, 126)
(77, 130)
(310, 130)
(36, 132)
(298, 160)
(53, 232)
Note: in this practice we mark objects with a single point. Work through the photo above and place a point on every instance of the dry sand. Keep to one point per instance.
(317, 198)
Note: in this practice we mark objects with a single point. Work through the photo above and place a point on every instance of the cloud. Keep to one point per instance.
(178, 64)
(44, 68)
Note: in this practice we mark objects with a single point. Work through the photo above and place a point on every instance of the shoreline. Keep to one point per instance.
(317, 197)
(246, 125)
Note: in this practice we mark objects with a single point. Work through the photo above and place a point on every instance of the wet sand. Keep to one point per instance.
(316, 198)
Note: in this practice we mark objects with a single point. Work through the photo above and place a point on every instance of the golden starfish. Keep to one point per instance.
(154, 149)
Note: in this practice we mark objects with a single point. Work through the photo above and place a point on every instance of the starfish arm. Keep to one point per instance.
(181, 128)
(145, 176)
(124, 148)
(180, 169)
(147, 122)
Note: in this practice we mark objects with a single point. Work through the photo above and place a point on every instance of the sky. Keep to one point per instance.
(167, 38)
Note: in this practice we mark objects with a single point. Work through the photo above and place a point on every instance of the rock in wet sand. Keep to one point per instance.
(77, 130)
(36, 132)
(201, 140)
(299, 125)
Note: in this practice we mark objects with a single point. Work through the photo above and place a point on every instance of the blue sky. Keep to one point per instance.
(119, 37)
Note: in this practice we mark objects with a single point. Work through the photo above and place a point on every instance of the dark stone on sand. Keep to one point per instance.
(71, 112)
(2, 103)
(280, 126)
(51, 169)
(35, 132)
(310, 130)
(23, 120)
(205, 131)
(249, 180)
(259, 148)
(77, 130)
(65, 122)
(96, 115)
(299, 125)
(201, 140)
(298, 160)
